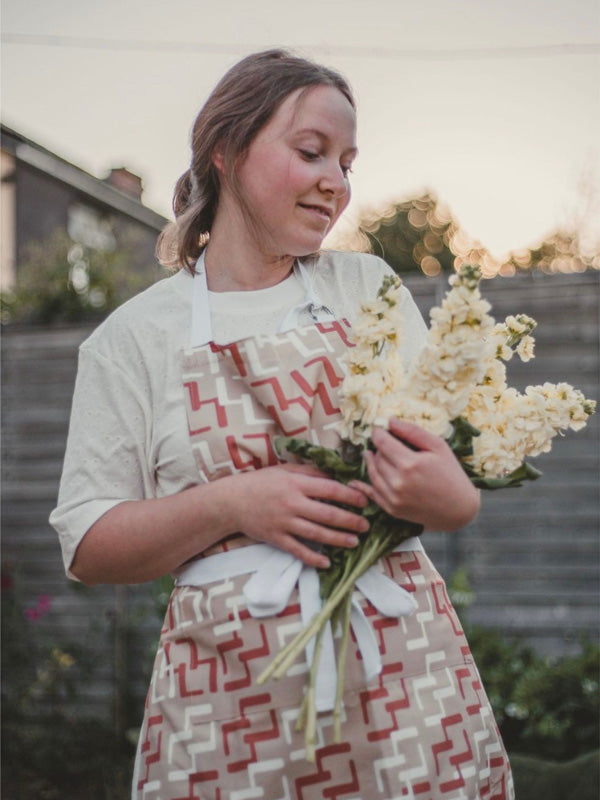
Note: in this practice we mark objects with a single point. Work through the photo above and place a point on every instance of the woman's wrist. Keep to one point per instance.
(468, 511)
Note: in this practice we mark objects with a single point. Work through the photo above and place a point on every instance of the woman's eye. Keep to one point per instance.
(346, 170)
(309, 155)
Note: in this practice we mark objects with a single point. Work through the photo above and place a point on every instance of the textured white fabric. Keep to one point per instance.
(201, 326)
(128, 437)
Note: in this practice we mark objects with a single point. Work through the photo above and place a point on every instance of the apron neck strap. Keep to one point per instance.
(201, 327)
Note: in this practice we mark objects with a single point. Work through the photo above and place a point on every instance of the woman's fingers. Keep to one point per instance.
(330, 516)
(415, 436)
(386, 483)
(415, 476)
(295, 546)
(333, 491)
(292, 505)
(321, 535)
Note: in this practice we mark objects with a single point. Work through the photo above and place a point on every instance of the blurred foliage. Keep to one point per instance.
(547, 707)
(414, 234)
(561, 251)
(63, 281)
(50, 749)
(161, 594)
(539, 779)
(421, 234)
(55, 744)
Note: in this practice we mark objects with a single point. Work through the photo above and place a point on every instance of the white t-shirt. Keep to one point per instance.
(128, 437)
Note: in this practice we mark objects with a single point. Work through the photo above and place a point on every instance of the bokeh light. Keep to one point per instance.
(421, 233)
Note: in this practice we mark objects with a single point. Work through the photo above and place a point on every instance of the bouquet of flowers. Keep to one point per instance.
(457, 389)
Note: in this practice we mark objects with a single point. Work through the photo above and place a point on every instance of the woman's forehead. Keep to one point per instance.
(322, 109)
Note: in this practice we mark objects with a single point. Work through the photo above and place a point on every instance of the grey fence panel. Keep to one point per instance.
(532, 555)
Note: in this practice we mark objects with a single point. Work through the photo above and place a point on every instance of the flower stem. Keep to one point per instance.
(310, 709)
(337, 711)
(286, 657)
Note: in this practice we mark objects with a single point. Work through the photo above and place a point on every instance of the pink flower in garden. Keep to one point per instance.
(41, 608)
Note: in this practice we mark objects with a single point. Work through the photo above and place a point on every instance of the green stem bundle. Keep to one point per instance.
(337, 607)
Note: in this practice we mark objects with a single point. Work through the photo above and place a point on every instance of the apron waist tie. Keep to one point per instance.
(267, 592)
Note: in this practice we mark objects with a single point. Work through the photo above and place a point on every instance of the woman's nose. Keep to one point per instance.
(334, 181)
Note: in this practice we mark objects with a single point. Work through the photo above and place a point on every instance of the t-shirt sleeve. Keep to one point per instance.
(106, 459)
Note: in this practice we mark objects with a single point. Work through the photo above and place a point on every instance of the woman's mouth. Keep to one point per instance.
(321, 211)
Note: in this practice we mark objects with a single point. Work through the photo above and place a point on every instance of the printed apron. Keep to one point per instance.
(416, 721)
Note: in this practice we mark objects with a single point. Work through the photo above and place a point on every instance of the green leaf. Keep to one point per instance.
(326, 459)
(523, 473)
(461, 439)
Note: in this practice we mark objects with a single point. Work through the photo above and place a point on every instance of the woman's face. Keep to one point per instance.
(295, 176)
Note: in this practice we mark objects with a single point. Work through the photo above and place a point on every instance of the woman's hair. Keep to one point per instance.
(243, 102)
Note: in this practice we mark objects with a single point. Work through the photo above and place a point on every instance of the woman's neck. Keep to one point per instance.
(239, 273)
(235, 261)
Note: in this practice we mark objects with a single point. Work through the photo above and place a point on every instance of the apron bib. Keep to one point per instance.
(239, 396)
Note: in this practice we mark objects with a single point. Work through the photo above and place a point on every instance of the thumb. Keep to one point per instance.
(414, 435)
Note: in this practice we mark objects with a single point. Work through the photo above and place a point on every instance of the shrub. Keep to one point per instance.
(544, 706)
(62, 281)
(49, 749)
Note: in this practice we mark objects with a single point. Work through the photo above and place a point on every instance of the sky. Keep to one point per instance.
(492, 104)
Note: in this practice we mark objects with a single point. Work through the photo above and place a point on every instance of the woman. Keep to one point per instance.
(170, 467)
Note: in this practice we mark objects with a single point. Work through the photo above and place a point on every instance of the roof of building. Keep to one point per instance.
(35, 155)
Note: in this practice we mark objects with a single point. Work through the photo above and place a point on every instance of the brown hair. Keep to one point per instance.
(243, 102)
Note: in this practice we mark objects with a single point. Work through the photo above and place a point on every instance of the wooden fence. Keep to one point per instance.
(532, 556)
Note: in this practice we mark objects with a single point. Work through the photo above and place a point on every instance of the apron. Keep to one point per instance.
(416, 721)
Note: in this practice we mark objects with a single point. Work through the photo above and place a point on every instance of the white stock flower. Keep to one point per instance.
(495, 376)
(525, 348)
(491, 458)
(514, 426)
(413, 409)
(460, 371)
(515, 324)
(374, 329)
(520, 325)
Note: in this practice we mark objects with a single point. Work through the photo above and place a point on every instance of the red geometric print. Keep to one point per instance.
(340, 327)
(235, 448)
(245, 657)
(423, 729)
(238, 397)
(146, 745)
(193, 665)
(323, 774)
(236, 357)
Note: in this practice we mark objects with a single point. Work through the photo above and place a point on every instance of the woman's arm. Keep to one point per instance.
(140, 540)
(415, 476)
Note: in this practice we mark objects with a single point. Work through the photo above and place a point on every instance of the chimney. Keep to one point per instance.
(125, 181)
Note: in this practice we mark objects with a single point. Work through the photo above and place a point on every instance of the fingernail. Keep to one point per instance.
(324, 563)
(351, 541)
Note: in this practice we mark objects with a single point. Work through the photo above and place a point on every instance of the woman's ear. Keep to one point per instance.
(218, 159)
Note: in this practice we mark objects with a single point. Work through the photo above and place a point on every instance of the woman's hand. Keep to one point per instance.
(415, 476)
(284, 504)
